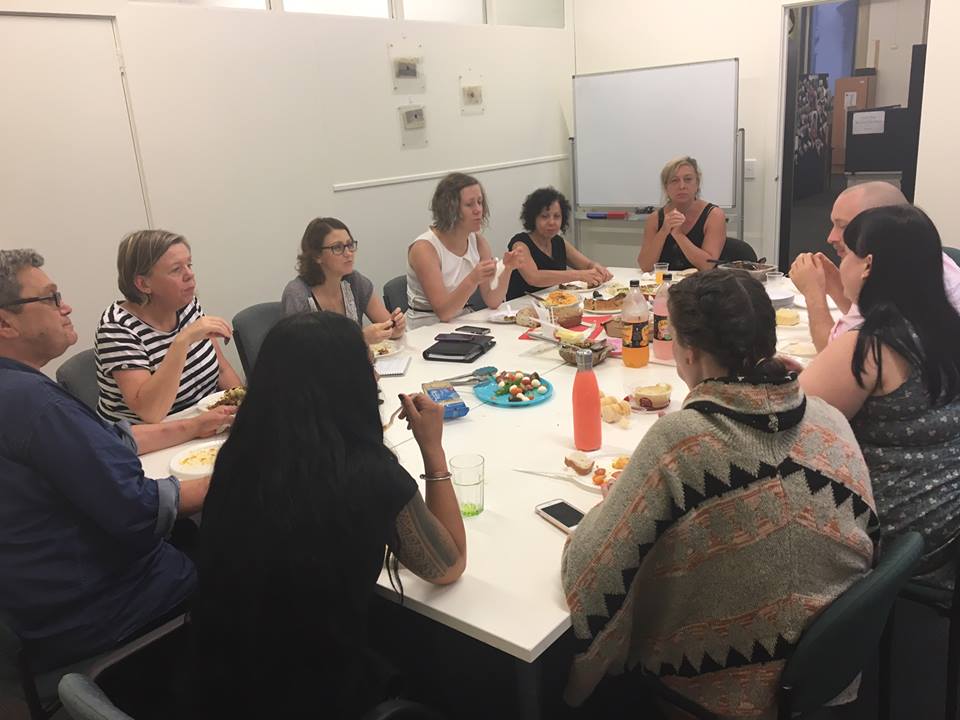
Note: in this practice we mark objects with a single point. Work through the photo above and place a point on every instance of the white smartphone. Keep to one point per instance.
(560, 514)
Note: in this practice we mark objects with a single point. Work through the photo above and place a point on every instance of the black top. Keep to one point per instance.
(671, 252)
(556, 260)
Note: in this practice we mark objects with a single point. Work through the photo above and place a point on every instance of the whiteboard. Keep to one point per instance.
(629, 124)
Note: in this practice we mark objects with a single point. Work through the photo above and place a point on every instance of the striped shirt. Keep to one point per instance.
(125, 342)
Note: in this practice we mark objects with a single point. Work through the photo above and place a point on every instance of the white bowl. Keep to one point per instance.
(195, 461)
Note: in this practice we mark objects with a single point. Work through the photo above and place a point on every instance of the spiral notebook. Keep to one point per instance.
(393, 366)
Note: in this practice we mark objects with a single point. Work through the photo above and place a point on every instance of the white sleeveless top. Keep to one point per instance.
(453, 269)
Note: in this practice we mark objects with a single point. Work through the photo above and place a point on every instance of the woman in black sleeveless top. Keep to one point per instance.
(545, 214)
(686, 232)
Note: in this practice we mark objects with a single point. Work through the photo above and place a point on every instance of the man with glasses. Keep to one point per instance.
(83, 561)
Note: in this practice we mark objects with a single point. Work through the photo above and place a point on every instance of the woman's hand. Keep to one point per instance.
(591, 276)
(484, 271)
(673, 220)
(214, 421)
(425, 418)
(399, 323)
(514, 259)
(604, 273)
(377, 332)
(206, 327)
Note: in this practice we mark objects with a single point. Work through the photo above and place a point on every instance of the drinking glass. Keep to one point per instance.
(467, 471)
(774, 277)
(658, 270)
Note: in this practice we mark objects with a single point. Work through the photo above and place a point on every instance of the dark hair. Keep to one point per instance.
(903, 300)
(311, 246)
(728, 314)
(291, 510)
(445, 204)
(538, 201)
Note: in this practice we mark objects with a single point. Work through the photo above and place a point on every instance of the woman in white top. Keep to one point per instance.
(451, 260)
(156, 351)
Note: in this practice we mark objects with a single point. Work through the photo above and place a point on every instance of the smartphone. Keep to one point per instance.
(473, 329)
(561, 514)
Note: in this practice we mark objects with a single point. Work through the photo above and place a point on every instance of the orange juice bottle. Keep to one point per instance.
(636, 331)
(586, 404)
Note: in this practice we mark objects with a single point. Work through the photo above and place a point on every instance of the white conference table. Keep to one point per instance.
(510, 596)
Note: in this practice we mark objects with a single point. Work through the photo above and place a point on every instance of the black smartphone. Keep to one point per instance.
(473, 329)
(561, 514)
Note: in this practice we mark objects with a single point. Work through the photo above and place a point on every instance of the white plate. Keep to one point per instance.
(501, 317)
(801, 302)
(780, 297)
(600, 313)
(798, 348)
(391, 347)
(586, 481)
(192, 471)
(210, 400)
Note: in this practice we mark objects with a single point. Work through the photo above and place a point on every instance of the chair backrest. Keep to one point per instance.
(841, 640)
(78, 376)
(736, 249)
(952, 253)
(250, 327)
(395, 294)
(84, 700)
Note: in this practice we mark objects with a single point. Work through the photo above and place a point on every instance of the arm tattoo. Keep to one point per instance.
(426, 547)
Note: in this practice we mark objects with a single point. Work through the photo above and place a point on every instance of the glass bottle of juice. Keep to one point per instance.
(586, 404)
(636, 332)
(662, 329)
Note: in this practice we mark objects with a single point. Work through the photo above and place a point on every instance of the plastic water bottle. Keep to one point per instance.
(662, 329)
(636, 331)
(587, 434)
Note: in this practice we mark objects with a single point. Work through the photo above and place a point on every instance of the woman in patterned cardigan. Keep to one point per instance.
(737, 519)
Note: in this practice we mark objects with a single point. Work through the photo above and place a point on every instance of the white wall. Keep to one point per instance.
(939, 154)
(898, 25)
(246, 120)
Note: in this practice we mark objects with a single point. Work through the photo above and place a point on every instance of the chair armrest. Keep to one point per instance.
(84, 700)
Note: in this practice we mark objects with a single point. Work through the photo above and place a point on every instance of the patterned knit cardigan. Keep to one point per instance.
(737, 519)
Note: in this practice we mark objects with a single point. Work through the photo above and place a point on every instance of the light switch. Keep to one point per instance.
(749, 168)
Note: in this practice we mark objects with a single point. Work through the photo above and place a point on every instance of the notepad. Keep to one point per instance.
(393, 366)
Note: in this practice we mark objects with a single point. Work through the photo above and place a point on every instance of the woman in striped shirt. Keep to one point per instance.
(157, 353)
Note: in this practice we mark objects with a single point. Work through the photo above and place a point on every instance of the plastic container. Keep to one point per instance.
(587, 432)
(636, 331)
(662, 329)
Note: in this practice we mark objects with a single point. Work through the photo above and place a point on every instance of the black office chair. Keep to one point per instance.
(395, 294)
(838, 643)
(78, 376)
(250, 328)
(736, 249)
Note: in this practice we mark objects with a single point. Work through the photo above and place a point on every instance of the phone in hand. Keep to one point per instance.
(561, 514)
(473, 329)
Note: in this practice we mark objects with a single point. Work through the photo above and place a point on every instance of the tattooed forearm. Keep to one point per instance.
(426, 547)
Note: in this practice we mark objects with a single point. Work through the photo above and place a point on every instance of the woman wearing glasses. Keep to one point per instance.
(326, 280)
(157, 353)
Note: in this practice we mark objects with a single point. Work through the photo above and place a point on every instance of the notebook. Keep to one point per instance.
(458, 347)
(393, 366)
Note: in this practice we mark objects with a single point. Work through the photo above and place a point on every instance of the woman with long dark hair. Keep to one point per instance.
(719, 542)
(897, 376)
(304, 499)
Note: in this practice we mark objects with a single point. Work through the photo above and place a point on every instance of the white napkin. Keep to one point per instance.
(496, 275)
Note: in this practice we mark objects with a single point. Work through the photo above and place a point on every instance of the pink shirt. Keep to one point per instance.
(951, 280)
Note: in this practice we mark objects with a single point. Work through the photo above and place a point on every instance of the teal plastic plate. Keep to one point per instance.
(486, 394)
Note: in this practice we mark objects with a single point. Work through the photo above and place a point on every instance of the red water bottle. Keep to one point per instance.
(586, 404)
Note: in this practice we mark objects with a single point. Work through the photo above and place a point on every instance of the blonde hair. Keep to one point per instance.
(445, 204)
(138, 253)
(671, 167)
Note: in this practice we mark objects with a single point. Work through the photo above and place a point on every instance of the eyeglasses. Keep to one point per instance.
(340, 247)
(57, 299)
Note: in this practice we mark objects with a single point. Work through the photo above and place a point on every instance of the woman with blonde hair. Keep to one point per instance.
(686, 232)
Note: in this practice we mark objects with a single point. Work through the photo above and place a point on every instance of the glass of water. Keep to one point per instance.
(467, 471)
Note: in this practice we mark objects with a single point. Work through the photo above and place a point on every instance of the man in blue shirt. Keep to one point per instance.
(83, 561)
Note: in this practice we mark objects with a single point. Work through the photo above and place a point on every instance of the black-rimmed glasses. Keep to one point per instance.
(57, 299)
(340, 247)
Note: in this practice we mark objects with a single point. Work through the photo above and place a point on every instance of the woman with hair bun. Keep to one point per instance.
(737, 519)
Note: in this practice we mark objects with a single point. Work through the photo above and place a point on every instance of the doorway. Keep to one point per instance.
(842, 59)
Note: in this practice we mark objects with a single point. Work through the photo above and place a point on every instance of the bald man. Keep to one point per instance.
(816, 277)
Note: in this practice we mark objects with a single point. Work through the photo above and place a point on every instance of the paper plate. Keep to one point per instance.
(600, 461)
(781, 297)
(486, 393)
(210, 400)
(196, 461)
(385, 348)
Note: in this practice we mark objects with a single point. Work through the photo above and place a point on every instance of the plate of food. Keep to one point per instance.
(197, 461)
(576, 286)
(385, 348)
(503, 317)
(650, 398)
(514, 388)
(232, 397)
(591, 472)
(604, 302)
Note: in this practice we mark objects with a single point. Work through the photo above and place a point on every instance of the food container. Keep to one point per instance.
(566, 308)
(758, 271)
(651, 397)
(599, 349)
(196, 461)
(614, 327)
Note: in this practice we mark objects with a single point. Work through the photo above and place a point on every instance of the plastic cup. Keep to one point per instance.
(467, 471)
(658, 270)
(774, 277)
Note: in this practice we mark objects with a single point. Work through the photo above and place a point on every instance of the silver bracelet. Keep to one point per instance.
(438, 477)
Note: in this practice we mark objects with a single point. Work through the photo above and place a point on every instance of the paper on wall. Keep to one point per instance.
(849, 99)
(869, 123)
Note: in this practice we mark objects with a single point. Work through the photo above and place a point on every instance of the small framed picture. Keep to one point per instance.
(413, 118)
(406, 68)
